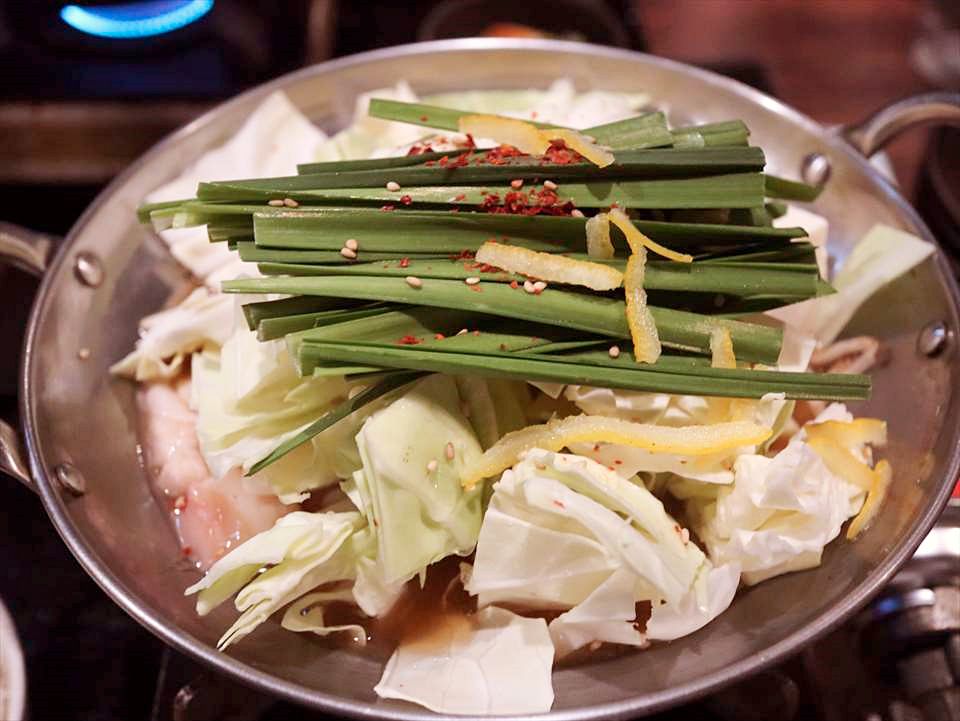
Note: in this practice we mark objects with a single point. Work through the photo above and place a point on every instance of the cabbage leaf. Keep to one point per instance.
(780, 512)
(494, 662)
(558, 525)
(202, 319)
(882, 255)
(408, 489)
(301, 552)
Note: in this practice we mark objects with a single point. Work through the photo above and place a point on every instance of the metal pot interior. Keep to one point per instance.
(75, 413)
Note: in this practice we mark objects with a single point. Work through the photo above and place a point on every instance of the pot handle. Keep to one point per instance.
(28, 251)
(11, 456)
(25, 249)
(871, 135)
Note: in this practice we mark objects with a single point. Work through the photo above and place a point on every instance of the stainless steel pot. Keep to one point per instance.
(78, 425)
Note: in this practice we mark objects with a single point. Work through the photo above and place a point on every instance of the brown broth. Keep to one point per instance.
(424, 615)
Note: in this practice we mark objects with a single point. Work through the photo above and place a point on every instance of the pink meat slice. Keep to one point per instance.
(211, 515)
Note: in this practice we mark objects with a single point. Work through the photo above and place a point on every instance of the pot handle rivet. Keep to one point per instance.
(87, 268)
(933, 339)
(815, 169)
(71, 479)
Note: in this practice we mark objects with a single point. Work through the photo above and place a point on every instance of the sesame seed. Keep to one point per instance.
(83, 353)
(290, 203)
(347, 253)
(276, 203)
(352, 244)
(528, 286)
(614, 351)
(576, 213)
(414, 282)
(472, 280)
(516, 184)
(393, 186)
(450, 451)
(432, 465)
(539, 286)
(462, 331)
(549, 185)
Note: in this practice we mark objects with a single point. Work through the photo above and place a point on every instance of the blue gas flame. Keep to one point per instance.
(135, 19)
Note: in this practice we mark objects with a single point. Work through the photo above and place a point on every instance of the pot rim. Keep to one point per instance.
(290, 691)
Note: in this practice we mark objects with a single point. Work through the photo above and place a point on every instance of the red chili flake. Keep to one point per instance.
(406, 200)
(430, 163)
(409, 340)
(514, 284)
(596, 447)
(186, 550)
(501, 154)
(614, 205)
(404, 262)
(558, 504)
(490, 202)
(439, 336)
(470, 141)
(180, 502)
(443, 161)
(424, 118)
(533, 202)
(461, 196)
(476, 288)
(611, 468)
(418, 149)
(617, 462)
(387, 208)
(559, 154)
(458, 161)
(476, 332)
(465, 254)
(503, 346)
